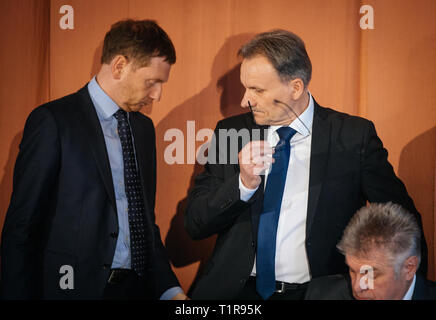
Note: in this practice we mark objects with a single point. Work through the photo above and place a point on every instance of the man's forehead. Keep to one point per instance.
(257, 63)
(157, 67)
(374, 258)
(257, 70)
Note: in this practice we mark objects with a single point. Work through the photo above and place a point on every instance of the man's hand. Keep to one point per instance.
(254, 158)
(180, 296)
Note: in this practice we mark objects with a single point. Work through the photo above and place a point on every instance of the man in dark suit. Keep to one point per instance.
(381, 245)
(81, 221)
(278, 224)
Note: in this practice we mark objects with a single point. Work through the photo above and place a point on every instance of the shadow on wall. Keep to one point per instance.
(220, 99)
(417, 169)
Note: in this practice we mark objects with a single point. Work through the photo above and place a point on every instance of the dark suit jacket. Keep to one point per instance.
(63, 209)
(348, 167)
(338, 287)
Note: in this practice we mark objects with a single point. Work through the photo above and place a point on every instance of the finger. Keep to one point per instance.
(259, 144)
(261, 150)
(262, 160)
(255, 149)
(261, 168)
(245, 158)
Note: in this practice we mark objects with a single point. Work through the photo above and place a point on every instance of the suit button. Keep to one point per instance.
(242, 281)
(106, 266)
(114, 234)
(252, 244)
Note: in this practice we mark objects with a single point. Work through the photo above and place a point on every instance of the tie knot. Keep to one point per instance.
(286, 133)
(120, 115)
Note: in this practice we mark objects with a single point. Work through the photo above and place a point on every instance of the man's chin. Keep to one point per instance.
(261, 121)
(138, 106)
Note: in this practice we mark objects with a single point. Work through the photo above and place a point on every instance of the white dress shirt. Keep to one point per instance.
(291, 263)
(409, 292)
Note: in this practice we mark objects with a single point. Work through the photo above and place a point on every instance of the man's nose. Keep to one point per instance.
(246, 100)
(357, 283)
(156, 92)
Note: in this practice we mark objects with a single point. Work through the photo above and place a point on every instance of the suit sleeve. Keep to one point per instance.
(380, 184)
(35, 175)
(214, 202)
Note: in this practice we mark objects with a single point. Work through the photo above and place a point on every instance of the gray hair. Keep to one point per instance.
(386, 226)
(286, 52)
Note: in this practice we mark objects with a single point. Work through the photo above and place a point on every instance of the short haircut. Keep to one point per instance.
(284, 50)
(138, 41)
(388, 227)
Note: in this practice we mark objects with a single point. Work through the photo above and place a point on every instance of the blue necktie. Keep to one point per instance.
(132, 184)
(272, 201)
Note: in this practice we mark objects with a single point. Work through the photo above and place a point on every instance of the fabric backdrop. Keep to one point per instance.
(384, 74)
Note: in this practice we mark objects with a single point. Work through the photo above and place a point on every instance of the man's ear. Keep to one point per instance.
(297, 88)
(118, 66)
(410, 266)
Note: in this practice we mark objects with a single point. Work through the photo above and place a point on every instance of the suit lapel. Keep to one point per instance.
(94, 135)
(318, 162)
(420, 288)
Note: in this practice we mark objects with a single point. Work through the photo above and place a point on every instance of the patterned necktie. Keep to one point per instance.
(272, 201)
(133, 187)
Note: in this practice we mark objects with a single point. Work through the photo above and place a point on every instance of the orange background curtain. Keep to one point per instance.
(384, 74)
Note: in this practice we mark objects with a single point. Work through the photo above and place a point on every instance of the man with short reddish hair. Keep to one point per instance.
(85, 183)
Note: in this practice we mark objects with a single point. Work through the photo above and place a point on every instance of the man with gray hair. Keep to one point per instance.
(278, 224)
(381, 245)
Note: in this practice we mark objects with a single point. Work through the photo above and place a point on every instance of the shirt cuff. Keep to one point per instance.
(245, 193)
(170, 293)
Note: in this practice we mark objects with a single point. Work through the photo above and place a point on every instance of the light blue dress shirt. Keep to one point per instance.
(106, 108)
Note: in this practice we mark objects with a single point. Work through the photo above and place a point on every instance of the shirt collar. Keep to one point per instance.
(306, 117)
(409, 293)
(104, 105)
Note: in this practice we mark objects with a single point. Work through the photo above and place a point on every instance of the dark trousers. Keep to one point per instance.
(127, 285)
(249, 292)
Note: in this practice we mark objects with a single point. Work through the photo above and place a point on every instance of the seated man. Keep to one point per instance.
(381, 245)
